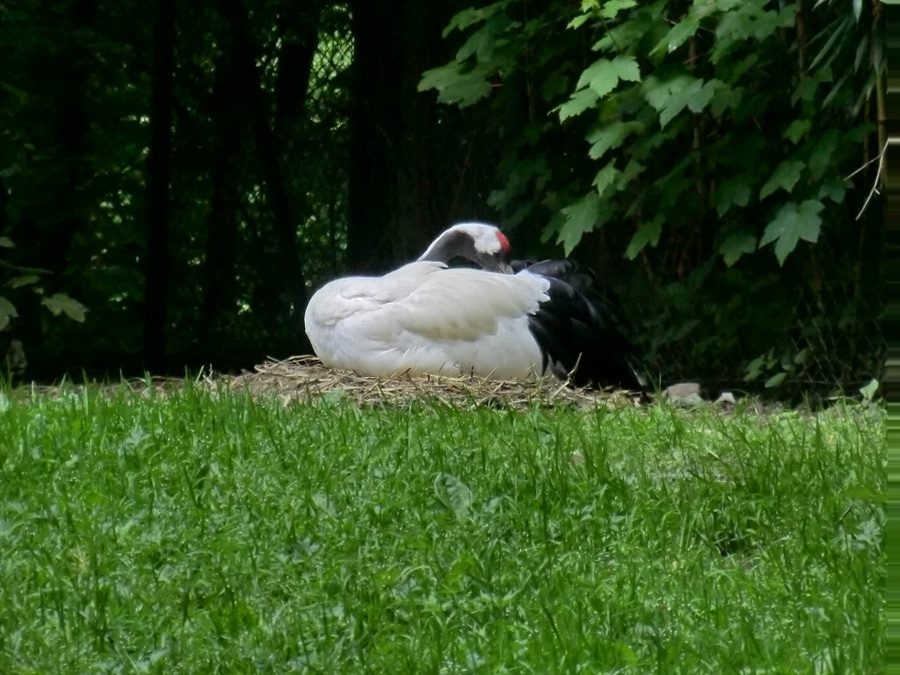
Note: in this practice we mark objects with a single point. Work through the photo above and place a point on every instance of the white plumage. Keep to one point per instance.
(428, 318)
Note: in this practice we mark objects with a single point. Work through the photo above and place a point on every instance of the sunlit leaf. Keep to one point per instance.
(7, 312)
(610, 136)
(24, 280)
(603, 75)
(578, 21)
(61, 303)
(611, 8)
(679, 34)
(579, 102)
(605, 177)
(792, 223)
(776, 380)
(455, 86)
(582, 216)
(439, 78)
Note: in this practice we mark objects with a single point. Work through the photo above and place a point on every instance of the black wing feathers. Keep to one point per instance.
(580, 321)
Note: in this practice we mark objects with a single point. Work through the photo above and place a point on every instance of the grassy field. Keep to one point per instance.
(214, 533)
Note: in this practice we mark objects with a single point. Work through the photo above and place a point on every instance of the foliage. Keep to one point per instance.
(696, 137)
(16, 277)
(198, 531)
(74, 174)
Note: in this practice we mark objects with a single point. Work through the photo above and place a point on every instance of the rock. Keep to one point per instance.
(686, 394)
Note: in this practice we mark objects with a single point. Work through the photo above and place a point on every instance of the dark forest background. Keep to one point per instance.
(177, 178)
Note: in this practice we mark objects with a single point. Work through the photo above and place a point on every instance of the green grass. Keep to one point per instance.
(214, 533)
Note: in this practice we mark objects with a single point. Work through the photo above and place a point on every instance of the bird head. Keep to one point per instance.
(483, 244)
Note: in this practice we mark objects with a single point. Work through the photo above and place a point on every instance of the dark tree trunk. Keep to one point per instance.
(219, 289)
(396, 203)
(286, 260)
(156, 280)
(377, 93)
(71, 129)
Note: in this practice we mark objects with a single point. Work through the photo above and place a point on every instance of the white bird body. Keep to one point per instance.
(428, 318)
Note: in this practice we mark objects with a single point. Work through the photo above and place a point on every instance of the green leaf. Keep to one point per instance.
(62, 303)
(582, 216)
(683, 91)
(631, 171)
(6, 242)
(454, 494)
(732, 192)
(647, 233)
(735, 245)
(775, 380)
(611, 8)
(480, 43)
(679, 34)
(725, 98)
(472, 15)
(658, 92)
(603, 75)
(820, 157)
(610, 136)
(553, 86)
(796, 130)
(578, 21)
(25, 280)
(577, 104)
(833, 190)
(439, 78)
(455, 86)
(805, 90)
(7, 312)
(605, 177)
(792, 223)
(786, 176)
(754, 368)
(700, 99)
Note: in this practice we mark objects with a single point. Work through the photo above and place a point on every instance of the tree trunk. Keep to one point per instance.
(377, 89)
(397, 149)
(287, 260)
(159, 169)
(221, 226)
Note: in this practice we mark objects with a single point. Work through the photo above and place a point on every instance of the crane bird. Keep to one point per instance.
(502, 321)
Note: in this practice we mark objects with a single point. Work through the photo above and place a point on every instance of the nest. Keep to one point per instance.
(305, 379)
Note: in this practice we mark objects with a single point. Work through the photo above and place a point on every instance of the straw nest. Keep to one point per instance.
(305, 379)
